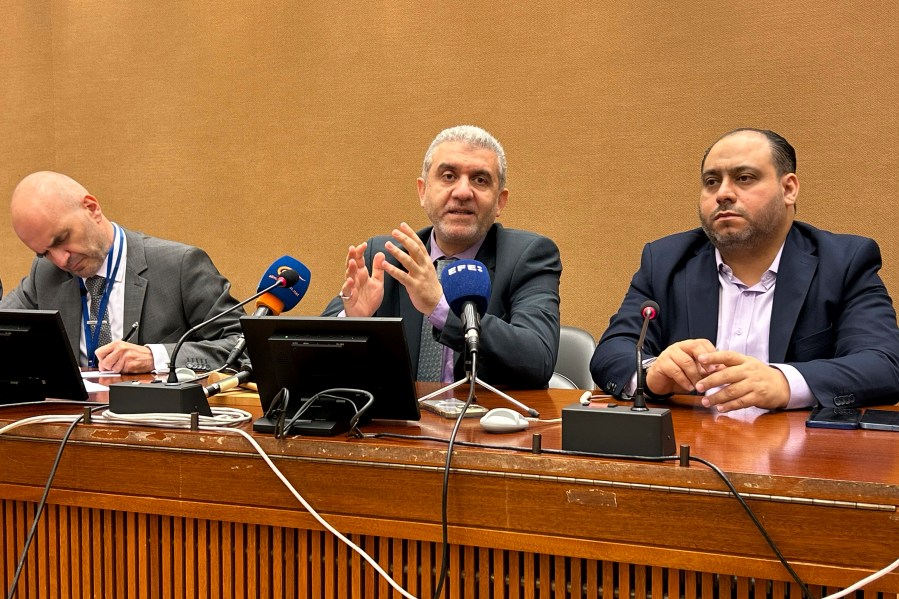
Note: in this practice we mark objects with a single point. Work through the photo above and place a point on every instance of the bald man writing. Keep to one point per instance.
(125, 298)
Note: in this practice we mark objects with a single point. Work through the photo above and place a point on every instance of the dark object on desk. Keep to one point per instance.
(616, 429)
(880, 420)
(136, 397)
(842, 418)
(307, 355)
(36, 360)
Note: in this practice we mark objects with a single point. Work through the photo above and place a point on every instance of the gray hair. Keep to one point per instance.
(473, 136)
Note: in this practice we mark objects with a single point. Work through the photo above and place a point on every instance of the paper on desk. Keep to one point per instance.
(95, 374)
(93, 387)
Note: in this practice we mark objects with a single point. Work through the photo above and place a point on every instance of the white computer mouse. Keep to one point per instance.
(503, 420)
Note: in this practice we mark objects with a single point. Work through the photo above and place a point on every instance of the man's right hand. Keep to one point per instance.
(677, 369)
(362, 293)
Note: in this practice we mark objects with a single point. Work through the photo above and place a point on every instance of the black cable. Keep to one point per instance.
(706, 463)
(444, 562)
(43, 502)
(748, 510)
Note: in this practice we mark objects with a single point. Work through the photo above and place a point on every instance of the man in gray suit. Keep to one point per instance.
(462, 189)
(125, 298)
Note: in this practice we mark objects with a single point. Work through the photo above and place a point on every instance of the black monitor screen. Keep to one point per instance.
(307, 355)
(36, 360)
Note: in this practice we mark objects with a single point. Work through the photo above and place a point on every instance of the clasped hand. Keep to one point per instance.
(738, 381)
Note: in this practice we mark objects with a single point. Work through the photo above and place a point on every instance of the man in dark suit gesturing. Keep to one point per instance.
(756, 309)
(462, 190)
(125, 298)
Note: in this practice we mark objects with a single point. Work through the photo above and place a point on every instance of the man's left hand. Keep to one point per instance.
(744, 381)
(420, 277)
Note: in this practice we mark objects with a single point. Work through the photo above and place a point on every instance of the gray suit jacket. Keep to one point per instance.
(169, 287)
(520, 330)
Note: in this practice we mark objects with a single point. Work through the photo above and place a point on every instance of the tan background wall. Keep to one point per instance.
(255, 129)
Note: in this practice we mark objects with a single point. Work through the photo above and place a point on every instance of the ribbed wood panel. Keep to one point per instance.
(101, 553)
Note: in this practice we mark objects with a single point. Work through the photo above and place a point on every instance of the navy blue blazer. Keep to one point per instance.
(832, 317)
(520, 330)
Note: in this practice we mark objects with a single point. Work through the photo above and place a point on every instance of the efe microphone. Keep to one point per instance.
(466, 287)
(648, 311)
(276, 301)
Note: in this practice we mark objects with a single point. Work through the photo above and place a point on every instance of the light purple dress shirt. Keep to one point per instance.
(438, 317)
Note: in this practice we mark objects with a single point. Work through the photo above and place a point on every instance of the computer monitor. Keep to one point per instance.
(36, 360)
(308, 354)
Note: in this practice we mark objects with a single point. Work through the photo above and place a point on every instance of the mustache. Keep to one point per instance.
(728, 207)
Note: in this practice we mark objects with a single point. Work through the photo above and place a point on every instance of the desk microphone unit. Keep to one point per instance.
(178, 397)
(616, 429)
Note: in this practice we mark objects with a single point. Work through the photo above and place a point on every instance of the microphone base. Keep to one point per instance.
(618, 430)
(143, 398)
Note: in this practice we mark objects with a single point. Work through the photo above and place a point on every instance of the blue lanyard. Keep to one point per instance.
(92, 333)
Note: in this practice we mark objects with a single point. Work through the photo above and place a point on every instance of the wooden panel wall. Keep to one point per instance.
(257, 128)
(105, 553)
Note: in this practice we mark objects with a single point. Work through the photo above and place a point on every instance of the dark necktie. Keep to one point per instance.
(430, 357)
(95, 287)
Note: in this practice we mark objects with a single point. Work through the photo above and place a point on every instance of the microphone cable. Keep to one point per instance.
(444, 561)
(224, 420)
(74, 420)
(715, 469)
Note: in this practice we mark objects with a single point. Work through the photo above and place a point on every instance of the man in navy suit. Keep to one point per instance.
(756, 309)
(462, 190)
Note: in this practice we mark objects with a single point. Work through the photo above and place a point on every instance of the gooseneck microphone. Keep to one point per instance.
(605, 430)
(275, 301)
(226, 384)
(286, 277)
(188, 397)
(648, 311)
(466, 286)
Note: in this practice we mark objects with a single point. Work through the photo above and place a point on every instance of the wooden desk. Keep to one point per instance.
(140, 512)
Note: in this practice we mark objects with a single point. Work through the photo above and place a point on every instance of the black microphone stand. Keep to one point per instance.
(639, 394)
(173, 396)
(173, 377)
(471, 351)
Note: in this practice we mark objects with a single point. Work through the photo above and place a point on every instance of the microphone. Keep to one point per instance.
(648, 311)
(226, 384)
(466, 286)
(274, 302)
(612, 430)
(175, 397)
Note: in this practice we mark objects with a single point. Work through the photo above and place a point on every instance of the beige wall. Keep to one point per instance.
(255, 129)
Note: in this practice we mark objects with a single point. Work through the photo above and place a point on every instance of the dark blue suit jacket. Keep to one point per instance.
(832, 318)
(520, 330)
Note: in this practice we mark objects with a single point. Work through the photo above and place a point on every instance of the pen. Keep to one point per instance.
(131, 333)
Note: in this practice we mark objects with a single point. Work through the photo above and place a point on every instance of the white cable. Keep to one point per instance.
(864, 581)
(226, 417)
(315, 514)
(221, 416)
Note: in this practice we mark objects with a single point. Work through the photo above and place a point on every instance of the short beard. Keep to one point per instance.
(756, 234)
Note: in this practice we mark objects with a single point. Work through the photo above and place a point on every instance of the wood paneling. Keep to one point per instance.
(255, 129)
(165, 513)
